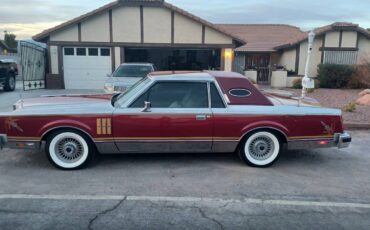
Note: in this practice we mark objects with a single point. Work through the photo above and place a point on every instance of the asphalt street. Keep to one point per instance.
(310, 189)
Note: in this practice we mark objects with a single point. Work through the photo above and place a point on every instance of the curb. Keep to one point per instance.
(356, 126)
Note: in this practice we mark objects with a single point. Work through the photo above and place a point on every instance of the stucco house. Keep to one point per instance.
(82, 51)
(270, 47)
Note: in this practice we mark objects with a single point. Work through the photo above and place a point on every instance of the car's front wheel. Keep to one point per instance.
(69, 150)
(260, 149)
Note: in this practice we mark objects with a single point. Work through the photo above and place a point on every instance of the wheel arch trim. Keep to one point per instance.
(264, 128)
(65, 127)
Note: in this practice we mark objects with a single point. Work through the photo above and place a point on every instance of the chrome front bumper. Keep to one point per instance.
(3, 140)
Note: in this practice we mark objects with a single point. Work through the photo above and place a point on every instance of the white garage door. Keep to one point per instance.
(86, 68)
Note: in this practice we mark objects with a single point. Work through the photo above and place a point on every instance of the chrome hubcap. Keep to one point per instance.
(261, 148)
(69, 150)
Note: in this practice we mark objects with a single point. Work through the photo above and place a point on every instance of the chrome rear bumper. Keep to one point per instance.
(3, 140)
(340, 140)
(343, 140)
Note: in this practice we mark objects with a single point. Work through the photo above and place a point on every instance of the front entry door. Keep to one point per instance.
(260, 62)
(179, 120)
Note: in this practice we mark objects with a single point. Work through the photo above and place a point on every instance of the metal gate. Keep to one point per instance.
(261, 63)
(33, 64)
(239, 63)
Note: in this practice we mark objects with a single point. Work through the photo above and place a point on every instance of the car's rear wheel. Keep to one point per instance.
(260, 149)
(10, 83)
(69, 150)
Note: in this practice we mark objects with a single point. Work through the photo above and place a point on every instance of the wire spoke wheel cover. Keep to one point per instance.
(68, 150)
(262, 148)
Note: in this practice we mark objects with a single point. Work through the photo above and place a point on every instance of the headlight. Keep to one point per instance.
(109, 87)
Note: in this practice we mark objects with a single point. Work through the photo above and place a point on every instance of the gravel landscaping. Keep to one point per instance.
(337, 98)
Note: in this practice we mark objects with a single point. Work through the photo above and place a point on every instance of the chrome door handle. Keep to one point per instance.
(201, 117)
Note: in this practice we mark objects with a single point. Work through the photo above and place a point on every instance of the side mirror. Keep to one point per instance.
(109, 75)
(147, 107)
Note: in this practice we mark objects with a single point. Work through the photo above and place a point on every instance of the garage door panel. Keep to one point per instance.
(86, 72)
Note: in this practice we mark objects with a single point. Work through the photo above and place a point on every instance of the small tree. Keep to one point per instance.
(361, 76)
(9, 39)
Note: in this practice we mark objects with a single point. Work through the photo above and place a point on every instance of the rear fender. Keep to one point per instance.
(265, 125)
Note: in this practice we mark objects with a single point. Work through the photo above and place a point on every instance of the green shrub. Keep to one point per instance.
(297, 84)
(335, 76)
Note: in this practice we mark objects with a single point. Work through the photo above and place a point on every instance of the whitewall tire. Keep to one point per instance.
(69, 150)
(260, 149)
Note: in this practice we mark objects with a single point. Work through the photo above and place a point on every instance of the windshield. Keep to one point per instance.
(133, 71)
(131, 91)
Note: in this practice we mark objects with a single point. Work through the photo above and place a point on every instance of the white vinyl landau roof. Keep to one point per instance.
(184, 77)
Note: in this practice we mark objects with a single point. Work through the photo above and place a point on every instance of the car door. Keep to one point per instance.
(179, 120)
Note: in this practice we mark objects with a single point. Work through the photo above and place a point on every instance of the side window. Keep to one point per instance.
(139, 103)
(175, 95)
(216, 99)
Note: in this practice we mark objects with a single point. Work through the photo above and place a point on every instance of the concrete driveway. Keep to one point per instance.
(311, 189)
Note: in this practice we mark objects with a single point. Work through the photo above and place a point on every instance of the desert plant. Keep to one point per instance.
(297, 83)
(335, 76)
(350, 107)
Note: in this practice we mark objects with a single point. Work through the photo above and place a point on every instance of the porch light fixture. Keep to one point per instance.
(307, 82)
(228, 53)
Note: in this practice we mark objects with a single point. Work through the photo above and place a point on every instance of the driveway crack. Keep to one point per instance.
(104, 212)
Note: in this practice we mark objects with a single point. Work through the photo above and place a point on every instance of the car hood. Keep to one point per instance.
(65, 100)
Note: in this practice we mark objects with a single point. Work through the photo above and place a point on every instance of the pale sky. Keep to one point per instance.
(26, 18)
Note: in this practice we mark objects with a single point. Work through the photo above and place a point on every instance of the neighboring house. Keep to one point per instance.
(269, 46)
(3, 47)
(84, 50)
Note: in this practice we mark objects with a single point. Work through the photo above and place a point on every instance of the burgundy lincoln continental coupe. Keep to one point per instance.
(175, 112)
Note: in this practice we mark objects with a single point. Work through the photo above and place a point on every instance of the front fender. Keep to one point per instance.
(44, 130)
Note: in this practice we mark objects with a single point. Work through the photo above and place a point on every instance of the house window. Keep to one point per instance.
(93, 52)
(340, 57)
(104, 52)
(81, 51)
(69, 51)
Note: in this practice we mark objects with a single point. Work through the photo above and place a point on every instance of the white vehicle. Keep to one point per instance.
(127, 75)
